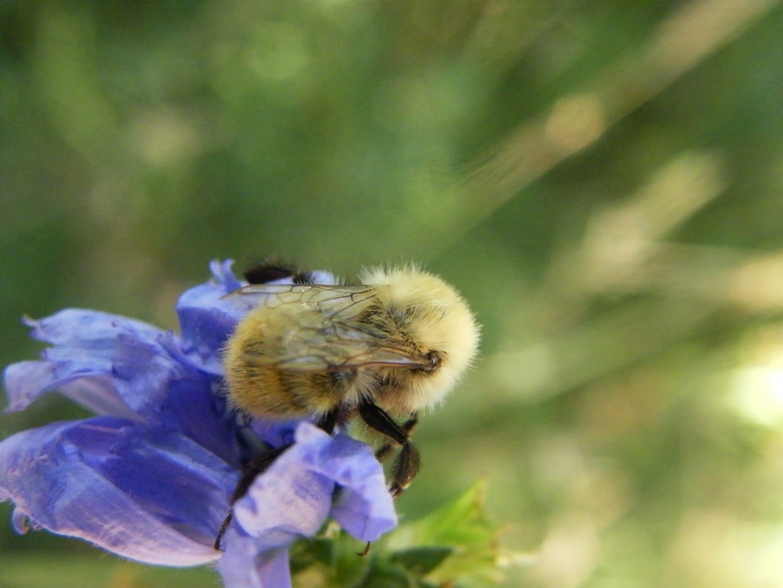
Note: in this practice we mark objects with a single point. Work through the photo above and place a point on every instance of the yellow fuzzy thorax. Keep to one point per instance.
(437, 318)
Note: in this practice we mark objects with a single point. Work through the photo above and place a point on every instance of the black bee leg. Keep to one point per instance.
(405, 468)
(336, 417)
(251, 471)
(408, 427)
(408, 461)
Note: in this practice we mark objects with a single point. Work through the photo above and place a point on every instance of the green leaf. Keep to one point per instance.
(421, 560)
(456, 543)
(386, 577)
(455, 546)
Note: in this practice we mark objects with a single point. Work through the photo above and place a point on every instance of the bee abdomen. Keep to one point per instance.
(315, 393)
(268, 392)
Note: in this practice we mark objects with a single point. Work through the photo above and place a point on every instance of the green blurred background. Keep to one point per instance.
(603, 180)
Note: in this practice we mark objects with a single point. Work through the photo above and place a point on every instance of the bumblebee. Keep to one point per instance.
(377, 353)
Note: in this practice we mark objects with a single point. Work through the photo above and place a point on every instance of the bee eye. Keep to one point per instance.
(434, 360)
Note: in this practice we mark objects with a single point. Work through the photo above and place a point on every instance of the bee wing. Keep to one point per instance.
(342, 345)
(326, 299)
(330, 338)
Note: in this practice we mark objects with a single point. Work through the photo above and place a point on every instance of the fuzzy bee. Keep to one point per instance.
(375, 353)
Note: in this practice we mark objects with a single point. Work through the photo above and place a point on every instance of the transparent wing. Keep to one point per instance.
(326, 333)
(326, 299)
(341, 345)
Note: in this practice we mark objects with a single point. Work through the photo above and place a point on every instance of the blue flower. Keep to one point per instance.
(150, 476)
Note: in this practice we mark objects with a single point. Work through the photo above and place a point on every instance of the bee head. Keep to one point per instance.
(424, 315)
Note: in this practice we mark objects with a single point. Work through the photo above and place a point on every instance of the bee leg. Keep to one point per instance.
(251, 471)
(408, 426)
(408, 461)
(336, 417)
(405, 468)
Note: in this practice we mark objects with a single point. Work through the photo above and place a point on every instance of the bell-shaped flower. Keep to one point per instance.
(150, 476)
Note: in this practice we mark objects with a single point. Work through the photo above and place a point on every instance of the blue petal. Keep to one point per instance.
(121, 355)
(207, 318)
(289, 498)
(274, 433)
(120, 367)
(89, 344)
(195, 407)
(321, 277)
(142, 492)
(222, 272)
(28, 380)
(294, 494)
(249, 563)
(364, 507)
